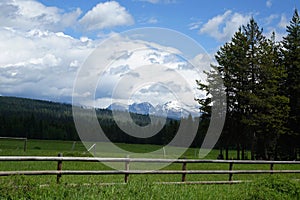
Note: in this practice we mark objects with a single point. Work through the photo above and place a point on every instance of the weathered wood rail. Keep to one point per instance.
(126, 172)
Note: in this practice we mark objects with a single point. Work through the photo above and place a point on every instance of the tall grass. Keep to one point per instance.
(272, 187)
(139, 186)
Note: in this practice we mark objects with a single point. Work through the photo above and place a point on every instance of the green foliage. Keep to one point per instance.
(262, 85)
(291, 58)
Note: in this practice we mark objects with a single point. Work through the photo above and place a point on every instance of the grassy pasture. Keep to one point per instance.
(139, 186)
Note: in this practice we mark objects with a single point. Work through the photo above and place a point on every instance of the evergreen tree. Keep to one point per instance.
(233, 68)
(291, 53)
(271, 104)
(252, 74)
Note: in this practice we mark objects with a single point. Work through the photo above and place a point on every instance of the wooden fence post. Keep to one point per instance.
(271, 167)
(59, 168)
(126, 169)
(184, 174)
(230, 169)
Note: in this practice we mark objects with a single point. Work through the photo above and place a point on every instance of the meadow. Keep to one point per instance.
(139, 186)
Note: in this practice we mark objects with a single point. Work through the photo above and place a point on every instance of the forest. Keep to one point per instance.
(260, 78)
(37, 119)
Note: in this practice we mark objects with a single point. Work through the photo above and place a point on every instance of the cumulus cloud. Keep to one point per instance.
(27, 15)
(119, 70)
(269, 3)
(39, 64)
(43, 64)
(39, 60)
(148, 74)
(30, 14)
(106, 15)
(222, 27)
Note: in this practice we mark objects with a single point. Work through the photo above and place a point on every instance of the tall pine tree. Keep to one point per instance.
(291, 53)
(252, 73)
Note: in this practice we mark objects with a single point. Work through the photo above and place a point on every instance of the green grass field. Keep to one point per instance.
(139, 186)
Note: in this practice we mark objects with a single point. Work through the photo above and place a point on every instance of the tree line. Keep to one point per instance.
(37, 119)
(261, 80)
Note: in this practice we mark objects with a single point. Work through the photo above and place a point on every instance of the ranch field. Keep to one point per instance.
(139, 186)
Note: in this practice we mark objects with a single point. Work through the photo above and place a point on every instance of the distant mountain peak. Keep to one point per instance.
(117, 107)
(143, 108)
(171, 109)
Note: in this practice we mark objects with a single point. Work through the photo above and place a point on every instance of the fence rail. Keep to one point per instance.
(59, 172)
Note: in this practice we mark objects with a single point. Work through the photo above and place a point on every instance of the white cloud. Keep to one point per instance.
(283, 22)
(74, 63)
(195, 25)
(147, 20)
(277, 24)
(39, 60)
(43, 64)
(106, 15)
(39, 64)
(222, 27)
(212, 26)
(27, 15)
(269, 3)
(136, 66)
(30, 14)
(271, 18)
(152, 20)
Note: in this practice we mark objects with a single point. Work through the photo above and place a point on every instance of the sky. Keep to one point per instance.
(45, 45)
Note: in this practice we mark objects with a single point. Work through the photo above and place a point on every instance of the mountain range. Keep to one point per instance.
(171, 109)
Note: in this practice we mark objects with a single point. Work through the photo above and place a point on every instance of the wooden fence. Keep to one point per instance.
(126, 172)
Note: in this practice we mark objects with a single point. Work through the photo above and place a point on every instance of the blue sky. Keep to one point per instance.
(188, 16)
(44, 43)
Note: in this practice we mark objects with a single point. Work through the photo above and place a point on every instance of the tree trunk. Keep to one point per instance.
(243, 152)
(238, 152)
(226, 153)
(253, 147)
(265, 150)
(221, 156)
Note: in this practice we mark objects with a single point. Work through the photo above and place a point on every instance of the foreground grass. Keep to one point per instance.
(272, 187)
(139, 186)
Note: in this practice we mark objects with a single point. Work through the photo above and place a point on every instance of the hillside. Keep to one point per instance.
(37, 119)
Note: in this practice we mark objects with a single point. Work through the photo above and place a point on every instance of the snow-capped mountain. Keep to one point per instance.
(171, 109)
(175, 110)
(118, 107)
(144, 108)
